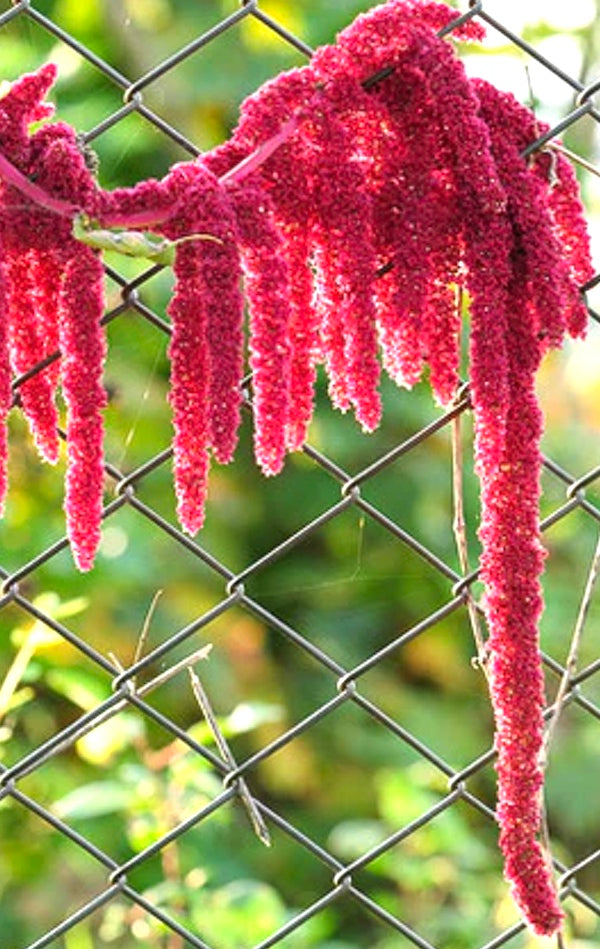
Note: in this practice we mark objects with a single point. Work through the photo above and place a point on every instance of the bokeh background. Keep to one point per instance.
(349, 587)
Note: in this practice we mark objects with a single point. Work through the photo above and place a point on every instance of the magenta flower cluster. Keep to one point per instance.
(353, 214)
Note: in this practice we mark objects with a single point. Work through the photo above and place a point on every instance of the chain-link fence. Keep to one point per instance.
(337, 717)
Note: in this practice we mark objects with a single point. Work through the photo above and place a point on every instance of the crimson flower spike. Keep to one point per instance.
(275, 159)
(320, 162)
(374, 128)
(417, 300)
(83, 350)
(511, 564)
(512, 127)
(22, 105)
(487, 232)
(188, 352)
(266, 286)
(224, 306)
(570, 227)
(508, 428)
(414, 200)
(28, 346)
(5, 387)
(342, 237)
(206, 348)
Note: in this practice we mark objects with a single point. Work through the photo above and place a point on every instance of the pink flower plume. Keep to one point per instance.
(511, 564)
(355, 216)
(282, 176)
(206, 348)
(29, 344)
(344, 257)
(570, 227)
(82, 358)
(511, 127)
(22, 105)
(5, 387)
(190, 367)
(267, 287)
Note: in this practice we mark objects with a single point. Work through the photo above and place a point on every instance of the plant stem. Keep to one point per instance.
(256, 819)
(459, 524)
(13, 176)
(562, 695)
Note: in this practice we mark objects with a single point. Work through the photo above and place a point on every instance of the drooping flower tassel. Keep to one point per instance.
(356, 172)
(571, 229)
(345, 258)
(188, 353)
(5, 387)
(285, 101)
(511, 564)
(83, 348)
(27, 349)
(507, 424)
(267, 287)
(47, 278)
(206, 349)
(22, 105)
(303, 334)
(423, 241)
(224, 304)
(545, 271)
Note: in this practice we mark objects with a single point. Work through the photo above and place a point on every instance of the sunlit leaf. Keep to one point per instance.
(102, 744)
(79, 687)
(94, 800)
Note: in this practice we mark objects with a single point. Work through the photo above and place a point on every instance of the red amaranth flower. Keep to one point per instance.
(380, 145)
(511, 564)
(38, 248)
(22, 105)
(212, 214)
(377, 39)
(267, 289)
(423, 176)
(206, 346)
(344, 257)
(303, 333)
(283, 177)
(570, 226)
(5, 387)
(47, 278)
(550, 287)
(188, 352)
(420, 240)
(82, 359)
(28, 345)
(486, 230)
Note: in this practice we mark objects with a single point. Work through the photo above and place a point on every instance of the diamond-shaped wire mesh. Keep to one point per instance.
(331, 597)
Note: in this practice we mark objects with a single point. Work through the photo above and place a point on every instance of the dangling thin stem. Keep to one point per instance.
(256, 819)
(562, 695)
(459, 524)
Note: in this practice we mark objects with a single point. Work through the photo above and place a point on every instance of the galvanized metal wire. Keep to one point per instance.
(133, 685)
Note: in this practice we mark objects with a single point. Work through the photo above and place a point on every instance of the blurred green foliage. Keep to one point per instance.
(349, 588)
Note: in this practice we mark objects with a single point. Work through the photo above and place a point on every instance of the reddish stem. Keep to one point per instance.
(260, 155)
(14, 177)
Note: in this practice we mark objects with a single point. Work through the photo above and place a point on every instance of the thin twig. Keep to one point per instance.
(140, 691)
(571, 664)
(573, 156)
(562, 695)
(146, 627)
(459, 523)
(256, 818)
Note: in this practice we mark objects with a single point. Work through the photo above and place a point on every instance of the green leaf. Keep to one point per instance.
(81, 688)
(95, 800)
